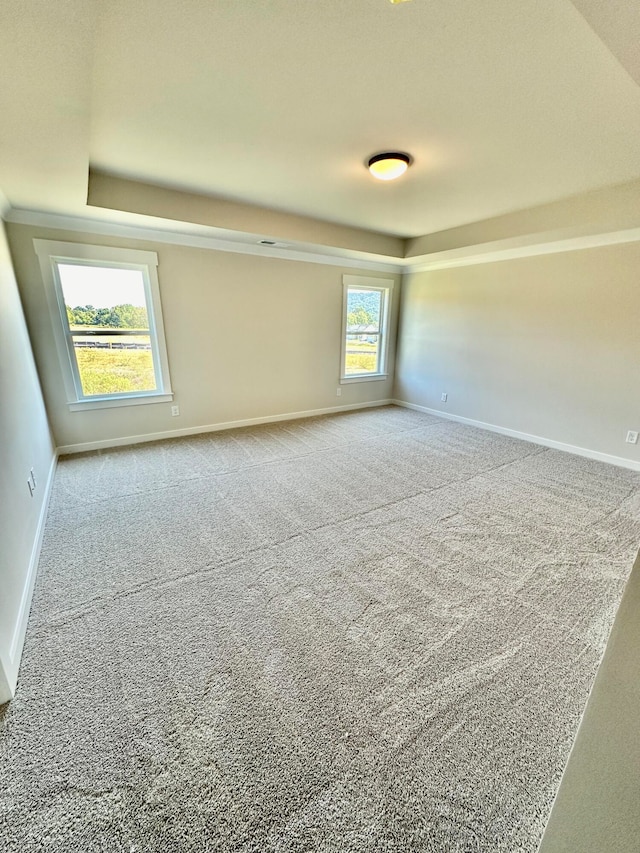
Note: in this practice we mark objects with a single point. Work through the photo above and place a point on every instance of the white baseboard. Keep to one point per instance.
(6, 692)
(12, 665)
(177, 433)
(620, 461)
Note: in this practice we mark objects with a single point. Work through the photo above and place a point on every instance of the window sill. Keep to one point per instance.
(114, 402)
(373, 377)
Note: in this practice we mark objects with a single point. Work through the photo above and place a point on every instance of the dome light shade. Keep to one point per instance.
(388, 165)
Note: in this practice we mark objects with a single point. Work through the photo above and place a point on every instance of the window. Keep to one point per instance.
(364, 328)
(107, 321)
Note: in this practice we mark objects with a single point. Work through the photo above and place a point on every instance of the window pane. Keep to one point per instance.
(99, 300)
(103, 297)
(361, 353)
(363, 328)
(114, 364)
(363, 310)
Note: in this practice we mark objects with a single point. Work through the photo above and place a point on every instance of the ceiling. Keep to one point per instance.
(504, 105)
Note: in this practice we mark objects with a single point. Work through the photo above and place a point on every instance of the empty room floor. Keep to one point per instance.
(374, 631)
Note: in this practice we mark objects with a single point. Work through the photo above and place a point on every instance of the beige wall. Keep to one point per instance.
(25, 442)
(546, 345)
(247, 337)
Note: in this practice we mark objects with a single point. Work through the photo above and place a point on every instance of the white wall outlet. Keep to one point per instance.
(338, 392)
(443, 397)
(175, 411)
(632, 437)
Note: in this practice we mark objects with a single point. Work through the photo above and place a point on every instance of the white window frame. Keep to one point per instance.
(385, 286)
(51, 253)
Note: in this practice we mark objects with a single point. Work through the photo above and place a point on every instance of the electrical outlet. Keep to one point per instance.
(338, 392)
(175, 411)
(632, 437)
(443, 397)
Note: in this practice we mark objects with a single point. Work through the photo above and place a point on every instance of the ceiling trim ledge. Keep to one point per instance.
(485, 254)
(123, 195)
(334, 256)
(460, 257)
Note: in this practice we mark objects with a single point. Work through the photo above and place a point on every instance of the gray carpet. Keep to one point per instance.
(369, 632)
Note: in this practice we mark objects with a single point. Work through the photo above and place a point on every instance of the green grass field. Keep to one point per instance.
(360, 362)
(361, 357)
(104, 371)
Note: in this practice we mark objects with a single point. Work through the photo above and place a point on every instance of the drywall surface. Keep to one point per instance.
(247, 337)
(25, 443)
(597, 805)
(547, 345)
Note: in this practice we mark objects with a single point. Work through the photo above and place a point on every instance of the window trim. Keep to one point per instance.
(52, 252)
(385, 286)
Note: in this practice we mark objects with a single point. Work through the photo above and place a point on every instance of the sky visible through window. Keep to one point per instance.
(102, 287)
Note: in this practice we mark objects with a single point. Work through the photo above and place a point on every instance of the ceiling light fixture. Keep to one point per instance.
(388, 165)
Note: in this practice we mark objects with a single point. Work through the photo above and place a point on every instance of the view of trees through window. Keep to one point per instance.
(362, 351)
(118, 317)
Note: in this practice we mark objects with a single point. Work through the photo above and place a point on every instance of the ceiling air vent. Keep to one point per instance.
(273, 243)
